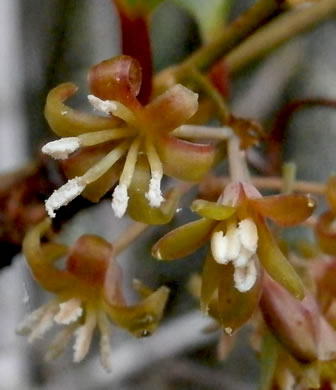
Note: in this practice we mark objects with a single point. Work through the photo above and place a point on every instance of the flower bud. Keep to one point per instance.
(295, 323)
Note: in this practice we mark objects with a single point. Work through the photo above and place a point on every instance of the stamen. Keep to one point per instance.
(233, 241)
(245, 277)
(120, 200)
(99, 137)
(243, 257)
(219, 246)
(120, 196)
(203, 132)
(64, 195)
(248, 234)
(62, 148)
(154, 194)
(69, 311)
(105, 163)
(112, 107)
(105, 348)
(32, 319)
(84, 336)
(60, 342)
(44, 324)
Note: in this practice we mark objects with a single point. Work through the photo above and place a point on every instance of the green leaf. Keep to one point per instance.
(209, 14)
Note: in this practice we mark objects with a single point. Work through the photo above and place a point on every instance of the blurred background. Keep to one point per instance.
(45, 42)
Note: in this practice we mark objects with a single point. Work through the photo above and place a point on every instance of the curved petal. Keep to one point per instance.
(65, 121)
(235, 308)
(286, 210)
(326, 233)
(275, 262)
(81, 161)
(331, 193)
(117, 78)
(142, 319)
(212, 210)
(184, 240)
(138, 205)
(40, 259)
(185, 160)
(171, 109)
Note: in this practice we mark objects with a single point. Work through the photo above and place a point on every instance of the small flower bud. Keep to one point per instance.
(295, 323)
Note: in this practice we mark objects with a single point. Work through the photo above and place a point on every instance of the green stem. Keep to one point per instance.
(208, 88)
(249, 21)
(278, 32)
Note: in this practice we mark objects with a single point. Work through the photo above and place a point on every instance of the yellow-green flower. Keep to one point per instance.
(88, 294)
(133, 145)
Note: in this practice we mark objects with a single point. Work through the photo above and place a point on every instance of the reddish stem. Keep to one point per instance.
(273, 161)
(136, 43)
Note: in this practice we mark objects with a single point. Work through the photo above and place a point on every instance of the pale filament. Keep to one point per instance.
(203, 132)
(113, 107)
(120, 195)
(154, 194)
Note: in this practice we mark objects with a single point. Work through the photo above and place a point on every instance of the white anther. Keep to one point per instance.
(219, 247)
(234, 246)
(154, 194)
(242, 259)
(69, 311)
(228, 331)
(248, 234)
(120, 200)
(245, 277)
(106, 106)
(64, 195)
(62, 148)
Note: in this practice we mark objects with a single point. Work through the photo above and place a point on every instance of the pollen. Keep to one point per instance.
(62, 148)
(238, 245)
(64, 195)
(120, 200)
(69, 312)
(154, 194)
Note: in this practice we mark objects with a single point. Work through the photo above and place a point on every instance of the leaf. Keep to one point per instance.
(210, 15)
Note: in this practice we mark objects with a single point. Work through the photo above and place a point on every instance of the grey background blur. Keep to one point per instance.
(44, 42)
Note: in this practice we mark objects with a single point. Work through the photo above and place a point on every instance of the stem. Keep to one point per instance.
(128, 236)
(237, 160)
(207, 87)
(216, 184)
(243, 26)
(277, 32)
(136, 43)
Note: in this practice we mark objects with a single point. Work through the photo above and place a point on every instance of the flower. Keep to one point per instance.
(239, 238)
(88, 294)
(134, 144)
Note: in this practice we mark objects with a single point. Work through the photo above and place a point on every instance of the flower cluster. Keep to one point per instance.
(239, 238)
(133, 144)
(88, 294)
